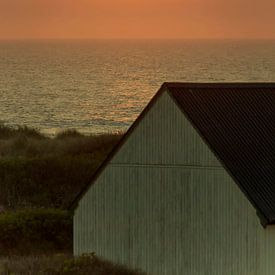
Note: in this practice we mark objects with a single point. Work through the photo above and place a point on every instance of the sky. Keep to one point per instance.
(187, 19)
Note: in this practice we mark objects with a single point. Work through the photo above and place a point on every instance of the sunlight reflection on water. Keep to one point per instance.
(99, 86)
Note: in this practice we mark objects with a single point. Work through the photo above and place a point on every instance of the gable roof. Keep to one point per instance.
(237, 122)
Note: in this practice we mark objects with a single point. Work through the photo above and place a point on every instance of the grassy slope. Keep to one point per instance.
(36, 171)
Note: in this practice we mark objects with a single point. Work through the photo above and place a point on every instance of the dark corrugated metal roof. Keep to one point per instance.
(237, 121)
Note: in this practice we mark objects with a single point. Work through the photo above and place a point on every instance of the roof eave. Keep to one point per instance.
(264, 221)
(208, 85)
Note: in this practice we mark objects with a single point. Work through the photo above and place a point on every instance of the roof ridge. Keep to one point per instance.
(237, 85)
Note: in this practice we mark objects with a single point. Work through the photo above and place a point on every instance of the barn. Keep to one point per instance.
(190, 188)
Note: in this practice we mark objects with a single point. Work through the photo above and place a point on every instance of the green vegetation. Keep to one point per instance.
(35, 231)
(7, 132)
(63, 265)
(37, 171)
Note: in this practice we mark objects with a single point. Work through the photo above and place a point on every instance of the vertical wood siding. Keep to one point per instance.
(164, 204)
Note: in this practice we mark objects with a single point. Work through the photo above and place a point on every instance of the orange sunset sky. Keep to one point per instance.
(137, 19)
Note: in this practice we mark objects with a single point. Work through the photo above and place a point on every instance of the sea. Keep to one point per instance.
(99, 86)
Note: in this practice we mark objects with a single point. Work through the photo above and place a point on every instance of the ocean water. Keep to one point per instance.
(102, 85)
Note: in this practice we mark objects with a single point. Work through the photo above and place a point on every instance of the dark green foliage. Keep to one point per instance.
(71, 143)
(7, 132)
(44, 182)
(49, 172)
(35, 231)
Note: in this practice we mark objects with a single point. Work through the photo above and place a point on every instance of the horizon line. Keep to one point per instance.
(137, 38)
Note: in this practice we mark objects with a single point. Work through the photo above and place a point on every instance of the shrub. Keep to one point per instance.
(31, 231)
(67, 143)
(44, 182)
(49, 172)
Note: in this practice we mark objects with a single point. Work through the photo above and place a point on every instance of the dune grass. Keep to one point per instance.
(38, 171)
(28, 142)
(7, 132)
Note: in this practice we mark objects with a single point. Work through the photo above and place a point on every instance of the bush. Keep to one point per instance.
(32, 231)
(44, 182)
(49, 172)
(67, 143)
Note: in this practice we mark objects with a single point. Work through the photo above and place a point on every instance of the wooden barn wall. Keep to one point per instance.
(178, 213)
